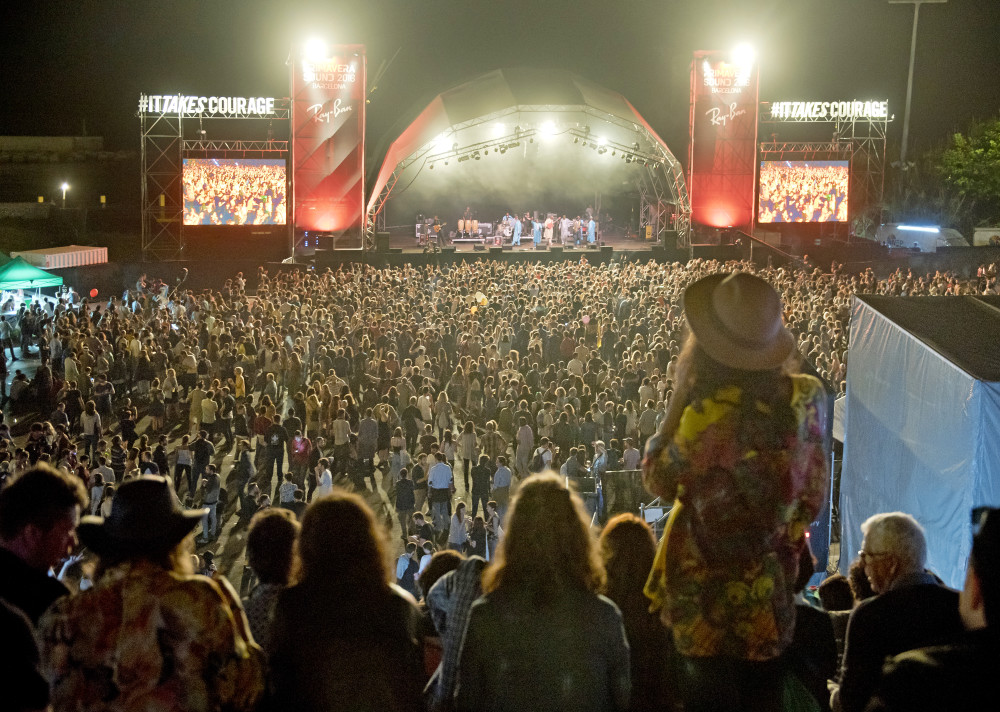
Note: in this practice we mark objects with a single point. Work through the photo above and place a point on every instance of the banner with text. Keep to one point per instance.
(328, 141)
(723, 159)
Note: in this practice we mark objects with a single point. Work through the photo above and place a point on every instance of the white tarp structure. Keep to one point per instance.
(60, 257)
(923, 420)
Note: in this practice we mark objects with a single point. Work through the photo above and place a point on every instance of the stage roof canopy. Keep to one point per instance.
(551, 118)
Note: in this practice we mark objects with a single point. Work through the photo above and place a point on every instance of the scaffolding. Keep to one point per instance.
(163, 149)
(861, 141)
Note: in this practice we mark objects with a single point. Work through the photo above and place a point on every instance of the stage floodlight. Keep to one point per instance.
(601, 141)
(314, 49)
(498, 130)
(432, 166)
(744, 55)
(549, 128)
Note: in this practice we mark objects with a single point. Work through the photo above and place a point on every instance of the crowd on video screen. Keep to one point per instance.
(793, 191)
(234, 192)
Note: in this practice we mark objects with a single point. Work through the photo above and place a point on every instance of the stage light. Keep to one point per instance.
(919, 228)
(612, 153)
(744, 55)
(548, 128)
(601, 141)
(432, 166)
(314, 49)
(576, 139)
(498, 130)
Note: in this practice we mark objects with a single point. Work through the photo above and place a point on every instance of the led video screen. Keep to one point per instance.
(803, 191)
(228, 191)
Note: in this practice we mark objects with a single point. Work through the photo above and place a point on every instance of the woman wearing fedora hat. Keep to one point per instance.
(741, 453)
(149, 634)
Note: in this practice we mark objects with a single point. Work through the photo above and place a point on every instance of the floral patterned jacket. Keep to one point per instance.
(144, 638)
(723, 574)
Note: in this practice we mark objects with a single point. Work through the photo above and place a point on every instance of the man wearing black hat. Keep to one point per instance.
(39, 511)
(962, 675)
(149, 634)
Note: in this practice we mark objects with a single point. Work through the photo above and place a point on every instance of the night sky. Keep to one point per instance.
(64, 63)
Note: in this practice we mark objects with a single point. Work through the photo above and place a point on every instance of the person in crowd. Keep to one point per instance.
(343, 615)
(722, 578)
(449, 601)
(958, 674)
(838, 601)
(39, 512)
(149, 634)
(407, 567)
(541, 604)
(270, 544)
(627, 547)
(910, 608)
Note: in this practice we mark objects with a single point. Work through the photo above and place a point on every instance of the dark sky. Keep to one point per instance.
(65, 62)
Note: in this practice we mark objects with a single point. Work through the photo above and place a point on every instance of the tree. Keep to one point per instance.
(970, 168)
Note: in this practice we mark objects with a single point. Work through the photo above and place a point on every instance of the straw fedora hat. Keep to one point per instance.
(736, 319)
(145, 517)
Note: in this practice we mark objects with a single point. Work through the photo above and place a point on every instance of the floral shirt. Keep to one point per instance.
(724, 571)
(144, 638)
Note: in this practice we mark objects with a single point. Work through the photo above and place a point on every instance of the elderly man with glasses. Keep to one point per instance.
(911, 608)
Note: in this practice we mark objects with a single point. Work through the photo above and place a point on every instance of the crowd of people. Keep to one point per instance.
(444, 388)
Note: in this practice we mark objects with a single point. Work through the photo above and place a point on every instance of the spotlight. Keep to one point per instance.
(601, 141)
(576, 140)
(744, 55)
(531, 140)
(446, 163)
(314, 49)
(612, 153)
(486, 152)
(432, 166)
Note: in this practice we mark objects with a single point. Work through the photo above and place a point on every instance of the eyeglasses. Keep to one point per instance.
(979, 515)
(862, 554)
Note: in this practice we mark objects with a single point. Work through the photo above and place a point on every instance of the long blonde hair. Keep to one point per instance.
(548, 546)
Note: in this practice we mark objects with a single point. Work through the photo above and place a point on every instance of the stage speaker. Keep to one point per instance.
(496, 250)
(556, 249)
(324, 241)
(395, 251)
(479, 248)
(540, 246)
(659, 251)
(592, 245)
(506, 248)
(607, 249)
(381, 242)
(448, 250)
(670, 239)
(325, 258)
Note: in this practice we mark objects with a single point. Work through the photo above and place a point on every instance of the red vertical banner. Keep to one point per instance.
(328, 142)
(723, 158)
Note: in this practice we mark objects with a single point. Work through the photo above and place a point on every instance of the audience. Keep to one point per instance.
(910, 608)
(343, 637)
(541, 605)
(149, 634)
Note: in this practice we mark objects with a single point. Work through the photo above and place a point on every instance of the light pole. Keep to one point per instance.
(64, 187)
(909, 79)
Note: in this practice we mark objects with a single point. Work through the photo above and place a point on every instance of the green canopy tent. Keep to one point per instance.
(18, 274)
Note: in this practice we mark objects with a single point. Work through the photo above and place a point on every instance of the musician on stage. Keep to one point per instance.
(577, 230)
(549, 223)
(564, 225)
(591, 231)
(536, 230)
(516, 239)
(439, 233)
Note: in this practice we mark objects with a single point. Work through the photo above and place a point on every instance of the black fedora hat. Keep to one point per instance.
(736, 319)
(145, 517)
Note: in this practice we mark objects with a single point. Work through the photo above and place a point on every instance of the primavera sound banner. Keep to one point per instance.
(328, 141)
(723, 140)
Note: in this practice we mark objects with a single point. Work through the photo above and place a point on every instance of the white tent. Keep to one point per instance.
(923, 420)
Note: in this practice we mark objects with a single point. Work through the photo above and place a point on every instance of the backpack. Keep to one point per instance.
(537, 463)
